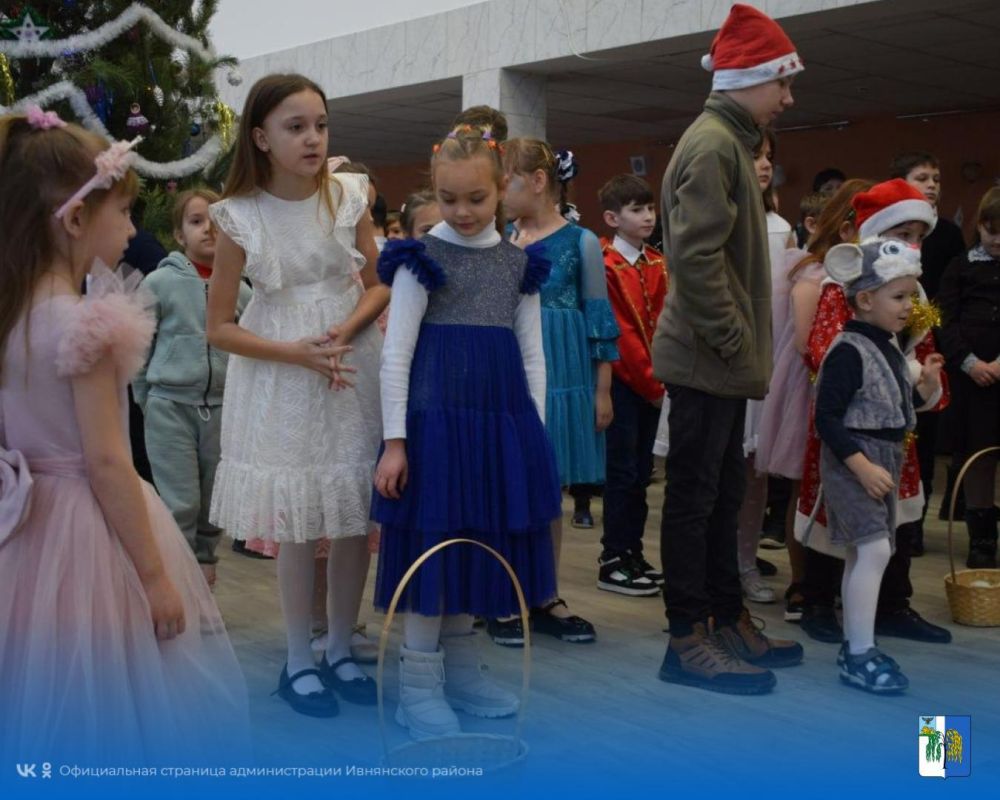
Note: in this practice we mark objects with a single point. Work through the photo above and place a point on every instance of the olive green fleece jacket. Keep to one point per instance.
(715, 330)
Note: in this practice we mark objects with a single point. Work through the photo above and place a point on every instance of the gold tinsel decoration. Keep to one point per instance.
(6, 81)
(909, 438)
(226, 123)
(924, 316)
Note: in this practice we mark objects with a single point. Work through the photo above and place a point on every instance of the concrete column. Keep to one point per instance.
(519, 95)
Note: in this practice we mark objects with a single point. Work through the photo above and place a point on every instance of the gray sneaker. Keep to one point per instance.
(754, 588)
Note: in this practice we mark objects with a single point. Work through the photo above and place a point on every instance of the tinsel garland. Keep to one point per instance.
(924, 316)
(100, 36)
(204, 157)
(226, 122)
(6, 80)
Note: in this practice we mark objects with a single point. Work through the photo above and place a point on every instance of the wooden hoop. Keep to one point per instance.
(383, 640)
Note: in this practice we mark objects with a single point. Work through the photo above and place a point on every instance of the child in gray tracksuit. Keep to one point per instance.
(180, 387)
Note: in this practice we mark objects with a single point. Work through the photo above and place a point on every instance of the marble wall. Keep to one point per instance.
(492, 36)
(519, 95)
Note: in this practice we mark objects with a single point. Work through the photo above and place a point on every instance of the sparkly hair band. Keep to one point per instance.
(112, 164)
(487, 136)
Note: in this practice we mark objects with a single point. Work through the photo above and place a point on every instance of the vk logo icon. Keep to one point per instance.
(26, 770)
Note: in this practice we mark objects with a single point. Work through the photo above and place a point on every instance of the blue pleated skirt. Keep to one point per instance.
(569, 400)
(480, 467)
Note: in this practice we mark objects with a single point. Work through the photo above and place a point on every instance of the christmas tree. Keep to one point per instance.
(132, 72)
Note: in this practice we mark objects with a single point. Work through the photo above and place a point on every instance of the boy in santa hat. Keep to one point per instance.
(712, 349)
(865, 404)
(892, 210)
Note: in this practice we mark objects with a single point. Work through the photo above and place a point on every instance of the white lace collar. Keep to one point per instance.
(487, 237)
(978, 253)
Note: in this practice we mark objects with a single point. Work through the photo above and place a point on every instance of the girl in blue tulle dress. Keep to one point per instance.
(579, 336)
(466, 453)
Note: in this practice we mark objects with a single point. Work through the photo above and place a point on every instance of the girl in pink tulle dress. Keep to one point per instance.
(112, 650)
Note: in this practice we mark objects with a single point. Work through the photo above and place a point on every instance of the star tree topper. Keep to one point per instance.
(25, 28)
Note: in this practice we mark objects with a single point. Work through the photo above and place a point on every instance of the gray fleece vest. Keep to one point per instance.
(877, 404)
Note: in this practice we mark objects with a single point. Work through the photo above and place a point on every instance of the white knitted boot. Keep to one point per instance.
(422, 706)
(468, 686)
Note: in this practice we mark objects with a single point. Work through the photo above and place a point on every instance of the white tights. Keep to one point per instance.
(347, 569)
(422, 634)
(863, 570)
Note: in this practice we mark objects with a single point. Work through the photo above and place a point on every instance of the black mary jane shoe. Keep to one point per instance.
(567, 629)
(360, 691)
(240, 546)
(314, 704)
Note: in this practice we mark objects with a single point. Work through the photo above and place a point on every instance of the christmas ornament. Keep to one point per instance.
(195, 129)
(98, 98)
(6, 79)
(234, 77)
(171, 186)
(158, 96)
(29, 27)
(137, 123)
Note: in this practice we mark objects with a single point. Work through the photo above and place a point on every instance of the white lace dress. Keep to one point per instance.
(297, 458)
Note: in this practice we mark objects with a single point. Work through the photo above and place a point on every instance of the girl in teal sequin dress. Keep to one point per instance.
(579, 336)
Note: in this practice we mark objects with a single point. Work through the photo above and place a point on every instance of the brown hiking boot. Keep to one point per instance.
(747, 642)
(704, 661)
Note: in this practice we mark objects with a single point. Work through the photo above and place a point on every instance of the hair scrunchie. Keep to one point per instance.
(567, 167)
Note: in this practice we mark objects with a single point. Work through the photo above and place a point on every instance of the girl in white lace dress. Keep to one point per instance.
(301, 423)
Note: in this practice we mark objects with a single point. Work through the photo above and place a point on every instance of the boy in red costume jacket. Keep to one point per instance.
(637, 283)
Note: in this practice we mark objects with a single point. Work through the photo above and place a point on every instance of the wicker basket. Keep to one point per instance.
(486, 751)
(977, 605)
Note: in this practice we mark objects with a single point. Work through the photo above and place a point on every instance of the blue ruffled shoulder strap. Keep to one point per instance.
(536, 273)
(412, 254)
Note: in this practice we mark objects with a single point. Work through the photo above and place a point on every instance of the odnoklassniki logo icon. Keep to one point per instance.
(944, 748)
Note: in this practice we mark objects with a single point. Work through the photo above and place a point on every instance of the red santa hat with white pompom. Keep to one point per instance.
(749, 49)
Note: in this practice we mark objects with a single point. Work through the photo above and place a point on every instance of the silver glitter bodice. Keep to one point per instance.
(482, 285)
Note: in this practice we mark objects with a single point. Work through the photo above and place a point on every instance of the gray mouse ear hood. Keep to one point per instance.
(871, 264)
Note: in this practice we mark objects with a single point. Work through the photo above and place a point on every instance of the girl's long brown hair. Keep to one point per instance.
(39, 170)
(769, 138)
(835, 213)
(251, 167)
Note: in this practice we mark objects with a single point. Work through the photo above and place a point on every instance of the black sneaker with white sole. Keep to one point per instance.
(619, 572)
(651, 572)
(794, 603)
(508, 632)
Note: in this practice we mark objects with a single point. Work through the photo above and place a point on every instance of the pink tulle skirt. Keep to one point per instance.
(784, 414)
(83, 678)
